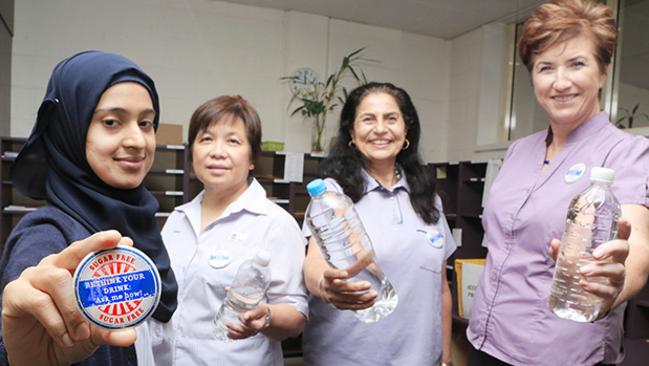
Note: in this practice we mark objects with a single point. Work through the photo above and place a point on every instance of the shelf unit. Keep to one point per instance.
(173, 183)
(460, 186)
(170, 180)
(166, 181)
(14, 205)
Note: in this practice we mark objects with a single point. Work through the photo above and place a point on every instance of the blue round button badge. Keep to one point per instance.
(575, 172)
(117, 288)
(435, 238)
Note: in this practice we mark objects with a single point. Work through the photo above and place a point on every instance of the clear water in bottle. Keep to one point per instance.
(247, 291)
(591, 220)
(345, 245)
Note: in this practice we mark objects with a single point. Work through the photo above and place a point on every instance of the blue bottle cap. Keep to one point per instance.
(117, 288)
(316, 187)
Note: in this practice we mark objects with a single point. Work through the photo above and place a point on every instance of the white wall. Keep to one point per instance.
(198, 49)
(476, 94)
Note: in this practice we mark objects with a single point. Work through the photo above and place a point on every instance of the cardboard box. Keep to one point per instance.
(467, 272)
(169, 134)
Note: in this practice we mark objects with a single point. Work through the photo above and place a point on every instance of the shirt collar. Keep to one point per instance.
(253, 199)
(372, 184)
(594, 124)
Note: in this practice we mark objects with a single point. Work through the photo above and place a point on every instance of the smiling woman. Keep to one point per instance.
(566, 46)
(121, 140)
(375, 162)
(212, 235)
(89, 151)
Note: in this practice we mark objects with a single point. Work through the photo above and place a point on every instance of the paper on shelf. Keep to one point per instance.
(493, 167)
(468, 275)
(457, 236)
(293, 166)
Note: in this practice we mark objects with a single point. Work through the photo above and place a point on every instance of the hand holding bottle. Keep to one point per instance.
(250, 322)
(611, 257)
(335, 288)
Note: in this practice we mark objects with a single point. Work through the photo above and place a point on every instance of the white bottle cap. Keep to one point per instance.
(262, 258)
(600, 174)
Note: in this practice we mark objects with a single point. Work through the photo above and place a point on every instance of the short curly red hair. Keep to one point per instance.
(561, 20)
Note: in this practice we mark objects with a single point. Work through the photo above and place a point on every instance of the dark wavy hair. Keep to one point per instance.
(344, 162)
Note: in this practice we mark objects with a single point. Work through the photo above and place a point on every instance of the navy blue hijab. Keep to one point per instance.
(53, 166)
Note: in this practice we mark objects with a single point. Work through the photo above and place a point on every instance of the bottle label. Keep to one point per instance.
(575, 172)
(117, 288)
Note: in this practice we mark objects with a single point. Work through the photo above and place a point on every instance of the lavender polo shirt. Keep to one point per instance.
(411, 335)
(510, 318)
(250, 223)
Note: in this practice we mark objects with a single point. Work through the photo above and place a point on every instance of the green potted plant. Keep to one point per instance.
(316, 98)
(630, 117)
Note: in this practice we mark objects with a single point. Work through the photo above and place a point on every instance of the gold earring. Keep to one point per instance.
(407, 145)
(350, 143)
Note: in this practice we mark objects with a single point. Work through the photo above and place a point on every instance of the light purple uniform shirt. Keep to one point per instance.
(248, 224)
(510, 318)
(411, 335)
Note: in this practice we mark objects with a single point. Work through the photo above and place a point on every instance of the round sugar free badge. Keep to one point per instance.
(575, 172)
(117, 288)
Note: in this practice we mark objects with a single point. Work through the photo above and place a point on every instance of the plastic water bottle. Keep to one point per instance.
(345, 245)
(247, 290)
(591, 221)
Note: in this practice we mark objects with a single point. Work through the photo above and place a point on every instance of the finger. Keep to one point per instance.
(613, 273)
(623, 229)
(70, 257)
(615, 250)
(125, 240)
(555, 245)
(342, 286)
(21, 299)
(605, 291)
(365, 258)
(353, 306)
(331, 274)
(353, 299)
(238, 331)
(57, 284)
(257, 312)
(114, 337)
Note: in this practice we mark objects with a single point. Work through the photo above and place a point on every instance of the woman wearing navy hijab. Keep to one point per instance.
(88, 153)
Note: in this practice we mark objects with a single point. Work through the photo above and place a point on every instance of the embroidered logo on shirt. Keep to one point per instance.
(238, 236)
(435, 238)
(575, 172)
(219, 259)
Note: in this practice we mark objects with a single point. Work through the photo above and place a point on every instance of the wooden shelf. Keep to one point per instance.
(171, 181)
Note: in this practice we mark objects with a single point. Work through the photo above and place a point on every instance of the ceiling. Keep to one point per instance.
(449, 19)
(445, 19)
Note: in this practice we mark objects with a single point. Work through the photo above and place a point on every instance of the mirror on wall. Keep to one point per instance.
(630, 101)
(627, 101)
(526, 115)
